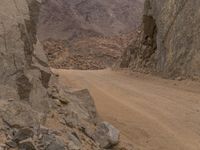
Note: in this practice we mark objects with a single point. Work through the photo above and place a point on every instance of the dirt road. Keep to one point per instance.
(152, 113)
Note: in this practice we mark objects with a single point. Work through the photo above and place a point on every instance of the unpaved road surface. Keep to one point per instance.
(152, 113)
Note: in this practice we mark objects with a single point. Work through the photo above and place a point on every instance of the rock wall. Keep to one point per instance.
(24, 70)
(168, 41)
(35, 111)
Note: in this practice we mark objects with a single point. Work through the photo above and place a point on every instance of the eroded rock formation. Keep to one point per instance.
(168, 42)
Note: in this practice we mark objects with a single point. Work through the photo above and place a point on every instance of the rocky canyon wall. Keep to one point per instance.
(24, 69)
(35, 111)
(168, 41)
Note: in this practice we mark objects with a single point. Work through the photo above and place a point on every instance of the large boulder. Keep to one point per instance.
(106, 135)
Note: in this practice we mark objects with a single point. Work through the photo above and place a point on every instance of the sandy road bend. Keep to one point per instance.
(153, 114)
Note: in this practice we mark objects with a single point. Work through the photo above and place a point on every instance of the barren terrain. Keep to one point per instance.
(69, 19)
(87, 34)
(152, 113)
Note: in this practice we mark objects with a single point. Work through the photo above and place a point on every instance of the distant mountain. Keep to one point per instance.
(69, 19)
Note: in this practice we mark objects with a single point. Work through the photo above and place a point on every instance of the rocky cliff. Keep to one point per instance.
(168, 41)
(36, 112)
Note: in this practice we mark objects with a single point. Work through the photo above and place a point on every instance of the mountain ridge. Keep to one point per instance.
(68, 19)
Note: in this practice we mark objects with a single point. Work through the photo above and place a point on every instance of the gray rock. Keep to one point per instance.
(11, 144)
(26, 146)
(72, 119)
(81, 107)
(47, 139)
(24, 68)
(52, 143)
(19, 115)
(73, 146)
(106, 135)
(23, 134)
(74, 138)
(56, 145)
(58, 95)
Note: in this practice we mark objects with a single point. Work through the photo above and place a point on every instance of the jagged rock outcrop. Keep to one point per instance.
(168, 42)
(35, 111)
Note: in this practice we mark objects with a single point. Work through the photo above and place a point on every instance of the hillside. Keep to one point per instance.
(168, 42)
(87, 53)
(69, 19)
(92, 33)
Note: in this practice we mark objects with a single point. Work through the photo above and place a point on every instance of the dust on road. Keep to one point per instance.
(152, 113)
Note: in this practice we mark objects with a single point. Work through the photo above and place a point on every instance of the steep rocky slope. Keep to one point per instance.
(168, 42)
(87, 53)
(69, 19)
(93, 32)
(36, 112)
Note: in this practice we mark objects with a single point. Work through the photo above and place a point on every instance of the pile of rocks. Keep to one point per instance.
(72, 123)
(91, 53)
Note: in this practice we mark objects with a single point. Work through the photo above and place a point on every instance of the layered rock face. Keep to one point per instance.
(168, 41)
(36, 112)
